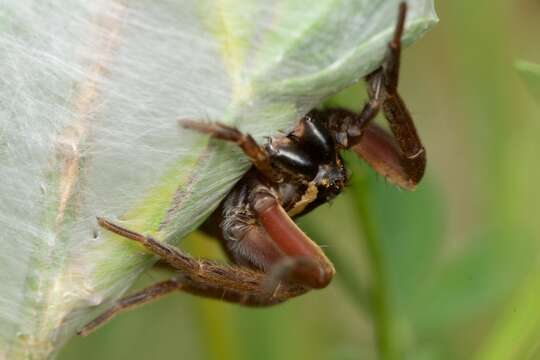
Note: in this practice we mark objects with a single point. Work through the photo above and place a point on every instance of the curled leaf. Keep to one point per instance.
(89, 97)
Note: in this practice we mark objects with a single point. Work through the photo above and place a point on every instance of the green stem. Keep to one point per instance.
(379, 294)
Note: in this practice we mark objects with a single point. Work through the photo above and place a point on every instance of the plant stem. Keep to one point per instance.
(379, 292)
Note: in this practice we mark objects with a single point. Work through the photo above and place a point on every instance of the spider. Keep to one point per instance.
(293, 173)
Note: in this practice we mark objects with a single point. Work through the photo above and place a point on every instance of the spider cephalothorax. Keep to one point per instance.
(273, 260)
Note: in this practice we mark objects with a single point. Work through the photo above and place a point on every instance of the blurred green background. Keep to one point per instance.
(449, 271)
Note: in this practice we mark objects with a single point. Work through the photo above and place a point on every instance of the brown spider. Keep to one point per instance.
(273, 260)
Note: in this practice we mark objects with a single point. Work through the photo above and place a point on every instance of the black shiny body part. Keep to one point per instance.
(308, 156)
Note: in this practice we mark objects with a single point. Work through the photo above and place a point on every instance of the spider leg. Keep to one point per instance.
(392, 61)
(130, 302)
(196, 276)
(303, 262)
(405, 163)
(252, 294)
(204, 271)
(400, 158)
(249, 146)
(256, 246)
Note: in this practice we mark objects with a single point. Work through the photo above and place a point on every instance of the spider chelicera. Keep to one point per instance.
(273, 260)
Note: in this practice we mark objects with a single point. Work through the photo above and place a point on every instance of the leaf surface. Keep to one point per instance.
(89, 97)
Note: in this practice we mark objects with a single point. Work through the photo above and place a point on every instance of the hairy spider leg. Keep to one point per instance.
(130, 302)
(201, 277)
(405, 163)
(400, 158)
(249, 146)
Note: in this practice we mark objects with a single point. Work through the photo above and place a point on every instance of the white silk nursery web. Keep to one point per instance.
(90, 94)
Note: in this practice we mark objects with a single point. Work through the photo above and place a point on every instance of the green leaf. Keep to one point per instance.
(530, 72)
(88, 105)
